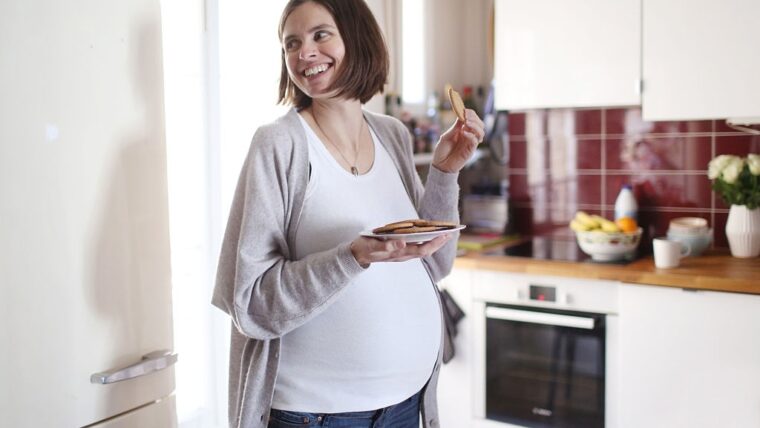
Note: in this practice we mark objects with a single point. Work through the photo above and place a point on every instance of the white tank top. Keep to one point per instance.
(377, 344)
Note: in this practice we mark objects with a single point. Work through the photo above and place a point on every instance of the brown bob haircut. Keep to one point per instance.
(364, 69)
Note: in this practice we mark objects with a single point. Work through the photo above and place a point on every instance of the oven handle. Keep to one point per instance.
(539, 317)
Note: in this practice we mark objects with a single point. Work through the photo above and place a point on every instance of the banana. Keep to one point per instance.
(578, 226)
(606, 225)
(587, 221)
(584, 222)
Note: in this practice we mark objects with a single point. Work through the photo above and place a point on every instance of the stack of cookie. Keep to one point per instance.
(413, 226)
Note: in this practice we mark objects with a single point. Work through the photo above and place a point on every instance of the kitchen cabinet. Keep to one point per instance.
(571, 53)
(700, 59)
(454, 388)
(679, 59)
(675, 357)
(688, 358)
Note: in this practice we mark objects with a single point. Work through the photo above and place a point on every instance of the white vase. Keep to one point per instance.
(743, 231)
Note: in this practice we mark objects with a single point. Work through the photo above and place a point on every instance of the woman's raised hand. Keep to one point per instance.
(370, 250)
(458, 143)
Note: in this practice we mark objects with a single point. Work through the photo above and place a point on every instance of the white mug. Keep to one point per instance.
(668, 254)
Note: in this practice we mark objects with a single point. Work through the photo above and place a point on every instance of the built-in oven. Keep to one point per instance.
(545, 353)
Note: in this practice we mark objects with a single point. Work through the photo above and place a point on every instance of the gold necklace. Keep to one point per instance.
(354, 169)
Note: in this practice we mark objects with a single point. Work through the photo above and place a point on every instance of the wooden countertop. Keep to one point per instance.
(715, 270)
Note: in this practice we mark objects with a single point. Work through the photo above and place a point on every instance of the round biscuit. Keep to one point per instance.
(456, 103)
(440, 223)
(415, 221)
(416, 229)
(420, 222)
(390, 227)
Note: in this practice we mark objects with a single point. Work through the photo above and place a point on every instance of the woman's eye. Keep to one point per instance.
(319, 35)
(290, 45)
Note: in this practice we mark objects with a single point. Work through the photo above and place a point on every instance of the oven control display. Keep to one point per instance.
(543, 293)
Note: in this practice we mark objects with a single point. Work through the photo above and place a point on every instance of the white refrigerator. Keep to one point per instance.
(85, 291)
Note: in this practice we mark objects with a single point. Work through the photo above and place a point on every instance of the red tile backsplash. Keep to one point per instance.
(566, 160)
(668, 153)
(518, 154)
(719, 229)
(588, 122)
(738, 145)
(519, 190)
(661, 191)
(682, 127)
(589, 154)
(516, 124)
(583, 189)
(624, 121)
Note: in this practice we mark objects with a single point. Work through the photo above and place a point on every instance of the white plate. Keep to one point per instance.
(412, 238)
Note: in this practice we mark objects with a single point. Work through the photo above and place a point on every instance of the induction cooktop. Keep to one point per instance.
(552, 248)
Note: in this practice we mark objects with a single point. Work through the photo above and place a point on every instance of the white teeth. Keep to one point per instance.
(316, 69)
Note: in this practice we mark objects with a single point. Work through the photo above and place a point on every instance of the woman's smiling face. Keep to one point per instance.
(313, 49)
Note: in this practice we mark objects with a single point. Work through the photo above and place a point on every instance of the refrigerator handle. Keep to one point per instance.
(153, 362)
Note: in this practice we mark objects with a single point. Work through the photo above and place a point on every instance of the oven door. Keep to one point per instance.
(544, 367)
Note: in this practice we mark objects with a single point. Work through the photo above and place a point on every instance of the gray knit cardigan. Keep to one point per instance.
(266, 292)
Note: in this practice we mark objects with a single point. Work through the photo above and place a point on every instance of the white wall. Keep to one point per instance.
(458, 42)
(457, 45)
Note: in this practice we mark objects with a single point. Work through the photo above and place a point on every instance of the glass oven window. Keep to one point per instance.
(545, 367)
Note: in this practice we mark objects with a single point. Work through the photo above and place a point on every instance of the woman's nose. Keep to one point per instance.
(308, 50)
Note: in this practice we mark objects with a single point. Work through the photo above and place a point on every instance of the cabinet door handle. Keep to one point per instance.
(150, 363)
(539, 318)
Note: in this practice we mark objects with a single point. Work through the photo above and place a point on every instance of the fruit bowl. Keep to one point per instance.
(608, 246)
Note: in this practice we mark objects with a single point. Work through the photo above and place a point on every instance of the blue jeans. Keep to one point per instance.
(405, 414)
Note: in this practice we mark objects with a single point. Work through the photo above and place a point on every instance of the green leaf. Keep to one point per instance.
(745, 191)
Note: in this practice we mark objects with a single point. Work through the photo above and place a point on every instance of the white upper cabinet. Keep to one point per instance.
(698, 59)
(569, 53)
(701, 59)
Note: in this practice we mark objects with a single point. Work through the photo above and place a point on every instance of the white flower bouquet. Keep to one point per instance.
(736, 179)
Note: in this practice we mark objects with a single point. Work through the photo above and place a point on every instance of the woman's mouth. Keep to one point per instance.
(317, 69)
